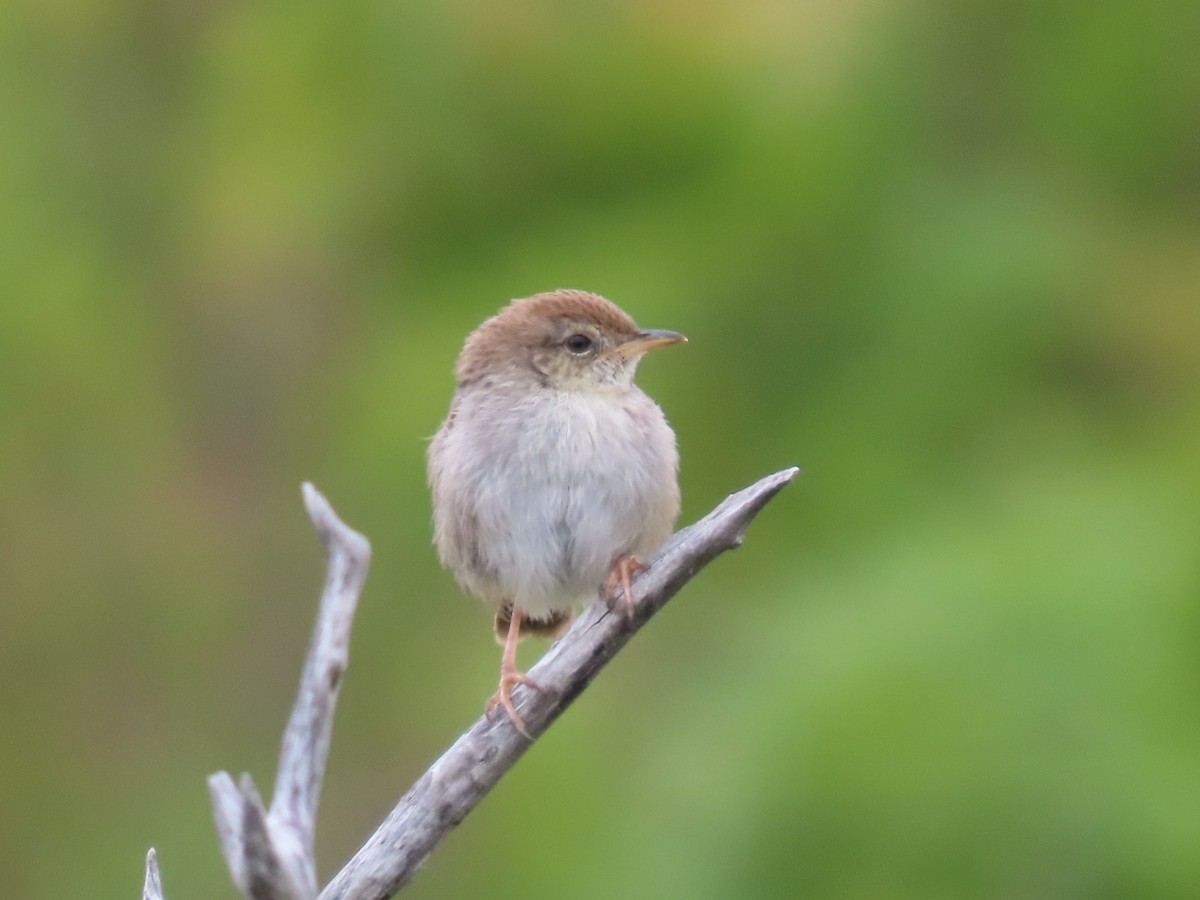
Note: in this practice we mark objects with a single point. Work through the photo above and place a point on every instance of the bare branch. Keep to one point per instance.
(270, 853)
(452, 787)
(152, 889)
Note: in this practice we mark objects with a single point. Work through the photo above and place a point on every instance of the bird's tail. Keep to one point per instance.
(552, 626)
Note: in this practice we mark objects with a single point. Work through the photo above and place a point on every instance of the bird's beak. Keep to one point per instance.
(651, 338)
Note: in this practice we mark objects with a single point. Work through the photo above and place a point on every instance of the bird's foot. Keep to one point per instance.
(621, 575)
(509, 678)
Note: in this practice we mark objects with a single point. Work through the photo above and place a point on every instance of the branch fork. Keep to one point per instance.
(269, 851)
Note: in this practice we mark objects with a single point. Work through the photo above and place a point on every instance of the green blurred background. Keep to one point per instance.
(945, 256)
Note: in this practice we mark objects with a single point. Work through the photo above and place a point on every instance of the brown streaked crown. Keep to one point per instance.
(527, 325)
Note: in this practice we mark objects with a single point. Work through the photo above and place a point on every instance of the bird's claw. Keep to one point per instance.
(621, 576)
(503, 698)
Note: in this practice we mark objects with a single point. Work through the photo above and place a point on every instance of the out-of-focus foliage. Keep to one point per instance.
(944, 256)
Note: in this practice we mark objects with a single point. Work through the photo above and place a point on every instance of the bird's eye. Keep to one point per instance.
(579, 343)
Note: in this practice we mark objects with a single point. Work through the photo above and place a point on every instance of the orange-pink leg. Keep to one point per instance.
(622, 574)
(510, 676)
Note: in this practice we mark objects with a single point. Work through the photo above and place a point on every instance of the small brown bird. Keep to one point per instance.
(553, 473)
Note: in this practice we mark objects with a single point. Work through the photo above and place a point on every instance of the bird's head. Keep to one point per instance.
(564, 340)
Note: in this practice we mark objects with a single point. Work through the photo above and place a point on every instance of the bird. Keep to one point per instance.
(554, 475)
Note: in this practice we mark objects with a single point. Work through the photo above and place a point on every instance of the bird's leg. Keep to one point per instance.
(626, 566)
(509, 675)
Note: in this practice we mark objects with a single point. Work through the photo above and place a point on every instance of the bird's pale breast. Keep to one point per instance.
(537, 493)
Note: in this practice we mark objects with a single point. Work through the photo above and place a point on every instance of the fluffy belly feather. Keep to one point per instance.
(547, 512)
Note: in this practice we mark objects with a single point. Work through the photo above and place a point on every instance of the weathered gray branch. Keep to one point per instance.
(270, 853)
(152, 889)
(452, 787)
